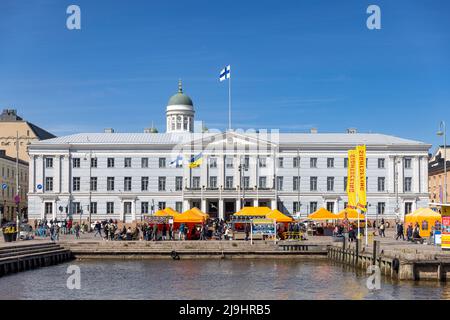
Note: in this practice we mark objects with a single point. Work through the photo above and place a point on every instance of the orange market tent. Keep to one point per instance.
(171, 212)
(426, 218)
(278, 216)
(253, 211)
(199, 212)
(166, 212)
(189, 217)
(322, 214)
(352, 214)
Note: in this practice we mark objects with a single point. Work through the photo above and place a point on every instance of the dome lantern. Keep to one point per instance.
(180, 112)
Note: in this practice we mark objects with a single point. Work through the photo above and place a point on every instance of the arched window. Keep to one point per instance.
(179, 123)
(185, 124)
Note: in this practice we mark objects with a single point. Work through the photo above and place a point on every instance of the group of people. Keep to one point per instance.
(148, 231)
(54, 228)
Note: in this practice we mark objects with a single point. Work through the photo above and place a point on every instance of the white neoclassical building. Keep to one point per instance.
(125, 175)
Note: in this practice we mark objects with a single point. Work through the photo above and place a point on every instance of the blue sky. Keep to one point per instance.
(295, 64)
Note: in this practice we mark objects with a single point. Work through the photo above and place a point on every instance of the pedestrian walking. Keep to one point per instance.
(400, 234)
(381, 231)
(77, 231)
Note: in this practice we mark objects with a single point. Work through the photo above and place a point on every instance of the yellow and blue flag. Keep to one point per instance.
(196, 161)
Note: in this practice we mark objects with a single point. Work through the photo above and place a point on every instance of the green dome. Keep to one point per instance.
(180, 98)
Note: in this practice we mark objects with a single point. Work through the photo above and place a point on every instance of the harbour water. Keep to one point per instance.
(210, 279)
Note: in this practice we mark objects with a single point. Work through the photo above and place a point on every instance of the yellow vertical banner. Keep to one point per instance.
(351, 179)
(361, 185)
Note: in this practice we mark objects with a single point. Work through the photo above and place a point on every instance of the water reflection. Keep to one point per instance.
(211, 279)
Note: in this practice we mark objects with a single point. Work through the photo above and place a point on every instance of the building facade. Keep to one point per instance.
(12, 127)
(125, 175)
(8, 188)
(437, 176)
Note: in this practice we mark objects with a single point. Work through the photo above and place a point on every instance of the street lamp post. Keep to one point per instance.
(443, 132)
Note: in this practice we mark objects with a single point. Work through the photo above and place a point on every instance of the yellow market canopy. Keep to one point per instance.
(253, 211)
(199, 212)
(352, 214)
(425, 217)
(171, 212)
(189, 216)
(278, 216)
(322, 214)
(166, 212)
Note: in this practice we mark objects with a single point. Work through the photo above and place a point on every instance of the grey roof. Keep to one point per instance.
(40, 133)
(282, 138)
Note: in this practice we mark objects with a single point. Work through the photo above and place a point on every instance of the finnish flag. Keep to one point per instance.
(225, 73)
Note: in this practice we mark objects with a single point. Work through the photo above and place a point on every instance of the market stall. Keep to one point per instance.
(266, 228)
(426, 218)
(324, 216)
(350, 214)
(192, 221)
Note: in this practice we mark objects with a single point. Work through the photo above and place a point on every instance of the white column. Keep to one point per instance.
(253, 171)
(122, 210)
(186, 172)
(423, 175)
(416, 175)
(390, 175)
(186, 205)
(57, 175)
(65, 174)
(54, 209)
(273, 204)
(32, 175)
(236, 164)
(204, 172)
(400, 170)
(220, 167)
(221, 209)
(238, 205)
(42, 210)
(203, 205)
(255, 203)
(133, 210)
(40, 172)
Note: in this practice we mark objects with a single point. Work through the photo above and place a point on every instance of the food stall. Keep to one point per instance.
(192, 220)
(444, 209)
(426, 218)
(265, 228)
(324, 216)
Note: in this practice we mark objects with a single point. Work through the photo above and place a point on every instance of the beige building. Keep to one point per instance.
(11, 125)
(436, 176)
(8, 189)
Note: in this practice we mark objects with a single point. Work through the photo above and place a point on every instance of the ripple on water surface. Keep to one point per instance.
(210, 279)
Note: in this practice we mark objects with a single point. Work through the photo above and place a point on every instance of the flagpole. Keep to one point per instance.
(229, 101)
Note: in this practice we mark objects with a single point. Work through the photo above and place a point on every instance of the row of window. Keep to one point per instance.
(127, 207)
(127, 183)
(229, 162)
(10, 193)
(9, 173)
(146, 207)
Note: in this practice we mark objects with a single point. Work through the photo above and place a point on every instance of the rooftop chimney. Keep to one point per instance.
(109, 130)
(313, 130)
(9, 115)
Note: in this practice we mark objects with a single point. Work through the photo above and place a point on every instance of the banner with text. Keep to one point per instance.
(351, 180)
(362, 197)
